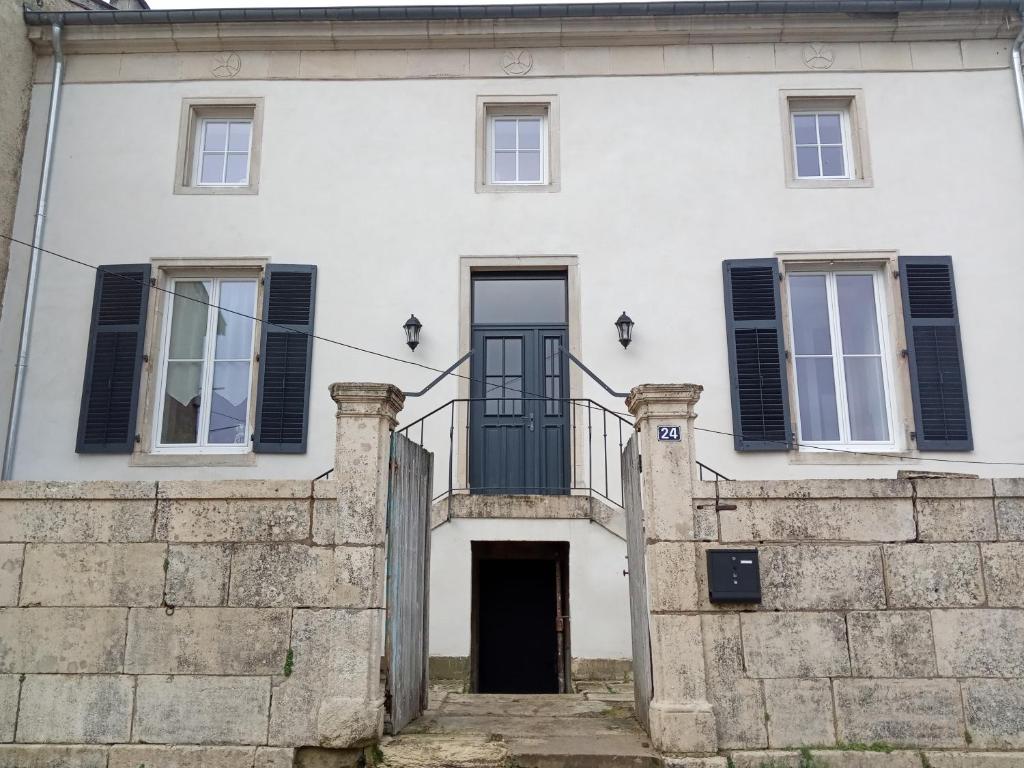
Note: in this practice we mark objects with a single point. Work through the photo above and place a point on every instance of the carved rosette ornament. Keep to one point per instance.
(226, 65)
(517, 62)
(818, 56)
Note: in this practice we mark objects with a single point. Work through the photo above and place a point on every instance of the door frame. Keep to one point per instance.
(567, 264)
(523, 550)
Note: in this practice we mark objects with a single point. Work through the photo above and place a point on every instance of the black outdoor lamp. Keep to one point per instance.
(625, 326)
(412, 332)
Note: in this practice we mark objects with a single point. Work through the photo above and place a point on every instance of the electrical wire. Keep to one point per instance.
(392, 358)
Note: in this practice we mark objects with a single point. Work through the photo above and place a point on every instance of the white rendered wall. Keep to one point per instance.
(661, 179)
(598, 591)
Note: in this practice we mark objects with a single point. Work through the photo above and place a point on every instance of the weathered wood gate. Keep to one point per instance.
(632, 502)
(408, 573)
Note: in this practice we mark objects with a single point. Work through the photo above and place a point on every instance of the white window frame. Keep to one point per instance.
(837, 356)
(200, 144)
(492, 149)
(206, 379)
(846, 137)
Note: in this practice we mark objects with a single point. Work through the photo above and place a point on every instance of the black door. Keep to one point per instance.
(519, 411)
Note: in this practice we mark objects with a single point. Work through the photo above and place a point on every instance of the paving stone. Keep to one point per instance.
(979, 643)
(207, 641)
(93, 574)
(51, 756)
(11, 558)
(201, 710)
(994, 710)
(69, 709)
(821, 577)
(891, 643)
(795, 645)
(934, 575)
(197, 574)
(908, 713)
(146, 756)
(736, 699)
(864, 759)
(273, 757)
(974, 759)
(67, 640)
(960, 519)
(762, 758)
(799, 713)
(1004, 573)
(9, 687)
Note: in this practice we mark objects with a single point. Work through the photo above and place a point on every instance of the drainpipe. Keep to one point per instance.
(37, 244)
(1018, 76)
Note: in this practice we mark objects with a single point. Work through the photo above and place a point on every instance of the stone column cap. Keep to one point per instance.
(365, 398)
(663, 400)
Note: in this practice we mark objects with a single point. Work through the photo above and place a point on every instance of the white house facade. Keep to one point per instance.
(814, 212)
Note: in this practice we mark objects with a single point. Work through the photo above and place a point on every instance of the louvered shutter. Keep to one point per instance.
(110, 392)
(286, 354)
(757, 369)
(932, 324)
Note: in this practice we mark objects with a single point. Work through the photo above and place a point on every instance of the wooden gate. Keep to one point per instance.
(408, 572)
(632, 502)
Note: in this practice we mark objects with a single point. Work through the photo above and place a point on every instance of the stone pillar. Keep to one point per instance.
(353, 714)
(681, 718)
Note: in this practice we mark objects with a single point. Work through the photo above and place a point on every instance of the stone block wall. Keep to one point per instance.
(178, 623)
(893, 612)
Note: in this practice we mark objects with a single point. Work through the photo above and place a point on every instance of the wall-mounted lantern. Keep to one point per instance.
(625, 327)
(412, 332)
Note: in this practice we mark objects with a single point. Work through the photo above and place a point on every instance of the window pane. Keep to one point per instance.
(829, 129)
(229, 404)
(211, 168)
(238, 137)
(188, 320)
(215, 136)
(181, 403)
(519, 301)
(807, 162)
(504, 166)
(238, 168)
(234, 332)
(493, 357)
(865, 394)
(832, 161)
(504, 134)
(529, 166)
(858, 320)
(809, 305)
(529, 133)
(819, 419)
(804, 129)
(513, 357)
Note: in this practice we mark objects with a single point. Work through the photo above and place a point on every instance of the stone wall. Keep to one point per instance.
(892, 613)
(209, 614)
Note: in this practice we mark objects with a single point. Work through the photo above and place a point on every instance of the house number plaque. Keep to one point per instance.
(669, 433)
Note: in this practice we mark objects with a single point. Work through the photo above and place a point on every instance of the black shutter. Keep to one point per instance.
(286, 353)
(932, 325)
(110, 392)
(757, 369)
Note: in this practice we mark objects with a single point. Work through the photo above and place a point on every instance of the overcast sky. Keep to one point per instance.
(310, 3)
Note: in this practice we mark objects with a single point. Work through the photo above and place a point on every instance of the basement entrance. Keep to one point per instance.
(520, 617)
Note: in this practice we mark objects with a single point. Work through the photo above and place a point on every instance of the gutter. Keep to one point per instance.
(24, 342)
(1018, 75)
(510, 11)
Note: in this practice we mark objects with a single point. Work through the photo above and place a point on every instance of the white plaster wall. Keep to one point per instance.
(662, 179)
(598, 591)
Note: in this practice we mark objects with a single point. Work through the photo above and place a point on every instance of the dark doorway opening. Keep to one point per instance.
(520, 620)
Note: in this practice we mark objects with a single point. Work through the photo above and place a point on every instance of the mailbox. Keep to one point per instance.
(733, 576)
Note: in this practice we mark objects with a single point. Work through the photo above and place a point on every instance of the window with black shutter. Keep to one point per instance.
(110, 392)
(753, 319)
(286, 353)
(932, 323)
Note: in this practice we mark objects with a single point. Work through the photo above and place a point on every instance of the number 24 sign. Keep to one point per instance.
(668, 433)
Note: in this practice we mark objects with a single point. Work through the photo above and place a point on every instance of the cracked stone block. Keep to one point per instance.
(735, 698)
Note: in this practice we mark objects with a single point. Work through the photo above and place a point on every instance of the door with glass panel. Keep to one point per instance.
(206, 367)
(519, 409)
(842, 365)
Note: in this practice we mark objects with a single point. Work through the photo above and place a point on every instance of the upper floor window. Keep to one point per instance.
(822, 144)
(219, 146)
(843, 371)
(517, 150)
(517, 144)
(206, 366)
(825, 139)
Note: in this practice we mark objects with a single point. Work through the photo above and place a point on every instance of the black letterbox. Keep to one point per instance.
(733, 576)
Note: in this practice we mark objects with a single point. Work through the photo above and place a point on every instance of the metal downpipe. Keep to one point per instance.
(37, 243)
(1018, 76)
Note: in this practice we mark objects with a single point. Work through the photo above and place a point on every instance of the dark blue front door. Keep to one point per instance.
(519, 411)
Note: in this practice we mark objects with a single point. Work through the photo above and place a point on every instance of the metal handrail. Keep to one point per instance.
(431, 385)
(593, 375)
